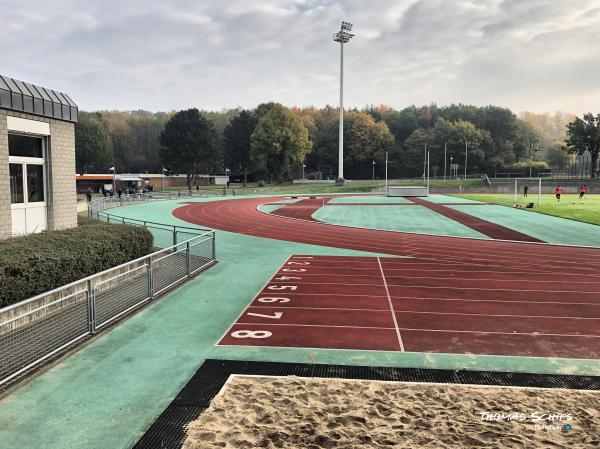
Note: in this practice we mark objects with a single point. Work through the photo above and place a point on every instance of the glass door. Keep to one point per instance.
(27, 184)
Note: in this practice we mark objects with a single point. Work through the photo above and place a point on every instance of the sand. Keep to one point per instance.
(293, 412)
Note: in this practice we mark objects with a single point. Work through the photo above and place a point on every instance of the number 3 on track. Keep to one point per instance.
(251, 334)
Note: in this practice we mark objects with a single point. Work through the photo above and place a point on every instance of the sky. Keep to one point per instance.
(534, 55)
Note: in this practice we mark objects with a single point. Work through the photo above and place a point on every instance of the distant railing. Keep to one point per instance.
(35, 330)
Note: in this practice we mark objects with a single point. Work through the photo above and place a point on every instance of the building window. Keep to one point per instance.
(35, 183)
(25, 146)
(16, 183)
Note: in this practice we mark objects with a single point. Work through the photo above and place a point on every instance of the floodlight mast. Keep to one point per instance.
(343, 37)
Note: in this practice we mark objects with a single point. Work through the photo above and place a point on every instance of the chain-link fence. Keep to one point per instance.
(36, 329)
(46, 324)
(164, 235)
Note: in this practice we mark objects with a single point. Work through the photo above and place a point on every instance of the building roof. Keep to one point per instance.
(26, 97)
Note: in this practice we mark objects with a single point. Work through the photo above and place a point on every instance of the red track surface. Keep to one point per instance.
(455, 295)
(302, 209)
(485, 227)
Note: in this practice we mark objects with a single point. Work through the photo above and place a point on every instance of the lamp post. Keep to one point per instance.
(114, 170)
(425, 161)
(386, 174)
(373, 177)
(445, 158)
(303, 167)
(451, 165)
(343, 37)
(466, 155)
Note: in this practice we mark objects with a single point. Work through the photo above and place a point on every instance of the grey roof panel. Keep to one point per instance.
(33, 90)
(62, 108)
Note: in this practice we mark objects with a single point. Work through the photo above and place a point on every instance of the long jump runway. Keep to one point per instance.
(449, 295)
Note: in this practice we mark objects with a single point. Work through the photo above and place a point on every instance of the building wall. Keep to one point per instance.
(5, 221)
(60, 172)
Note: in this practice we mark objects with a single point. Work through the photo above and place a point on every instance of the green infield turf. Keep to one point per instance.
(379, 199)
(587, 211)
(395, 218)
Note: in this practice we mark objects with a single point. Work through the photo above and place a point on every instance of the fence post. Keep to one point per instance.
(150, 278)
(91, 306)
(188, 255)
(214, 246)
(174, 239)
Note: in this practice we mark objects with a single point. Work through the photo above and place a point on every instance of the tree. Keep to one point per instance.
(279, 142)
(93, 147)
(413, 154)
(365, 141)
(237, 142)
(584, 135)
(187, 143)
(557, 156)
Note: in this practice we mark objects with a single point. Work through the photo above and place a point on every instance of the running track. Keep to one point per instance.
(548, 295)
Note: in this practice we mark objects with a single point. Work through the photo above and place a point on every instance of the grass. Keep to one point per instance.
(587, 211)
(355, 186)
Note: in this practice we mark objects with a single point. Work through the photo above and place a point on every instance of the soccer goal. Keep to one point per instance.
(528, 188)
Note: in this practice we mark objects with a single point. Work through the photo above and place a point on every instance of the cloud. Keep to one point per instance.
(538, 55)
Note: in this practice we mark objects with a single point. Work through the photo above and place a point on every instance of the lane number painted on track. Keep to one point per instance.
(298, 263)
(287, 278)
(296, 270)
(251, 334)
(275, 316)
(273, 299)
(282, 287)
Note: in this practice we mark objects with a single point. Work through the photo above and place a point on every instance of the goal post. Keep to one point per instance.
(531, 183)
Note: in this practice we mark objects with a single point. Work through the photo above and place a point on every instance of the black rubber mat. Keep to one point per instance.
(170, 428)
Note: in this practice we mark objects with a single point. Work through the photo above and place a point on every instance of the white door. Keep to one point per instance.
(27, 184)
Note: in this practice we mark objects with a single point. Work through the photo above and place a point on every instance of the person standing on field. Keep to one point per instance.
(582, 191)
(525, 190)
(88, 194)
(558, 193)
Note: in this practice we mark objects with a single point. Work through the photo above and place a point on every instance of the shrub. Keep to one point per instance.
(37, 263)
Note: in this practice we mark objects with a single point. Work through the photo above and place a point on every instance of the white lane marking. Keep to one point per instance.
(391, 307)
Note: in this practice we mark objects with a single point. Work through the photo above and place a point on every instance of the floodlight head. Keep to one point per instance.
(343, 36)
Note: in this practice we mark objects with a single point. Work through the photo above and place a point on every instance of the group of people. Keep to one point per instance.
(582, 192)
(108, 192)
(559, 190)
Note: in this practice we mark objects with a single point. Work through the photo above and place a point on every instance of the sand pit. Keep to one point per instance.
(301, 413)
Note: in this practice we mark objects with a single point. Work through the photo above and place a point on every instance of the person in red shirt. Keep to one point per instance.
(558, 193)
(582, 191)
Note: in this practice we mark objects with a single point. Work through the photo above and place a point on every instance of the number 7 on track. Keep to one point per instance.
(275, 316)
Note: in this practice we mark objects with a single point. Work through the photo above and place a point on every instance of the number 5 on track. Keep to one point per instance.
(282, 287)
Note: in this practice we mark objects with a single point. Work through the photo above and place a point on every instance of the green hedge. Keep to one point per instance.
(36, 263)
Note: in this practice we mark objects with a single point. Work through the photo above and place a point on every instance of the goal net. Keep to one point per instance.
(528, 190)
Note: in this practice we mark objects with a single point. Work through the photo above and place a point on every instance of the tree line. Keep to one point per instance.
(273, 142)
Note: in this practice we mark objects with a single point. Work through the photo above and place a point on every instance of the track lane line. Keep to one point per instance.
(400, 342)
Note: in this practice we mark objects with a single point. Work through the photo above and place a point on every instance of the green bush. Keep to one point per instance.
(36, 263)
